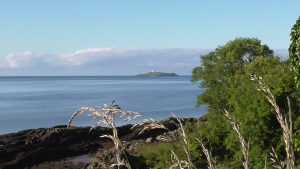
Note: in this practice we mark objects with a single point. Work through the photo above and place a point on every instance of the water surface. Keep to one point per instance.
(33, 102)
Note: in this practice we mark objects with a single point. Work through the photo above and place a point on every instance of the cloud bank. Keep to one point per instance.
(105, 61)
(102, 61)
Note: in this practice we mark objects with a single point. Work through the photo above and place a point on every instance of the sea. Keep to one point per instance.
(47, 101)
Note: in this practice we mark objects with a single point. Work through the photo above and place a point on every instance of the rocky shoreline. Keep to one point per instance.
(58, 146)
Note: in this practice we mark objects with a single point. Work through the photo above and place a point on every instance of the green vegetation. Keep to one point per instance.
(225, 73)
(156, 155)
(294, 51)
(252, 120)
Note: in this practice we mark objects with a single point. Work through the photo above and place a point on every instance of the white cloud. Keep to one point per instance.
(102, 61)
(27, 59)
(105, 61)
(88, 55)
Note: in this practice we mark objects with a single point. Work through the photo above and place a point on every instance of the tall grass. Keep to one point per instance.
(106, 116)
(275, 161)
(187, 162)
(176, 161)
(285, 120)
(211, 162)
(245, 146)
(148, 124)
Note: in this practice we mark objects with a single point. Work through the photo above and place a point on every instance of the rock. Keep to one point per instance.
(28, 147)
(35, 146)
(149, 140)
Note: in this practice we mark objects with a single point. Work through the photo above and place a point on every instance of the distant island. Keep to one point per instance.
(156, 74)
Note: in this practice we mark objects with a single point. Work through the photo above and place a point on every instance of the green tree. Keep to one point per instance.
(222, 65)
(225, 75)
(294, 51)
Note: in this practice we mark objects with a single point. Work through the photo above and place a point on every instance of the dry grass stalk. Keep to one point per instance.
(245, 146)
(210, 160)
(149, 124)
(106, 116)
(265, 166)
(182, 164)
(285, 122)
(275, 161)
(176, 162)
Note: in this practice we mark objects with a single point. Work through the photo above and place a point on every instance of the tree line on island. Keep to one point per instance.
(157, 74)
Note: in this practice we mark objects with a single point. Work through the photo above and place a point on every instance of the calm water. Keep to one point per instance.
(32, 102)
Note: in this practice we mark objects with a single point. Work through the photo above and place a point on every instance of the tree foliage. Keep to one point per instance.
(294, 52)
(222, 65)
(225, 75)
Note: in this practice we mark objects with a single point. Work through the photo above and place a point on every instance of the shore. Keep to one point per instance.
(59, 146)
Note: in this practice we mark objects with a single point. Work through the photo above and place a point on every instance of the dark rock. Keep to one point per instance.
(30, 147)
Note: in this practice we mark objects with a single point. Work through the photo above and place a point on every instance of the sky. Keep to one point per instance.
(67, 37)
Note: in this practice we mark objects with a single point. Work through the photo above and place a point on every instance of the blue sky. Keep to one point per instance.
(37, 37)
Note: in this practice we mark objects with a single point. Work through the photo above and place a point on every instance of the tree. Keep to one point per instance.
(225, 75)
(294, 51)
(221, 65)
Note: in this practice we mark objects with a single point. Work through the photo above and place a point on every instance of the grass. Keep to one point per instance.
(176, 161)
(285, 120)
(156, 155)
(245, 146)
(211, 162)
(106, 116)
